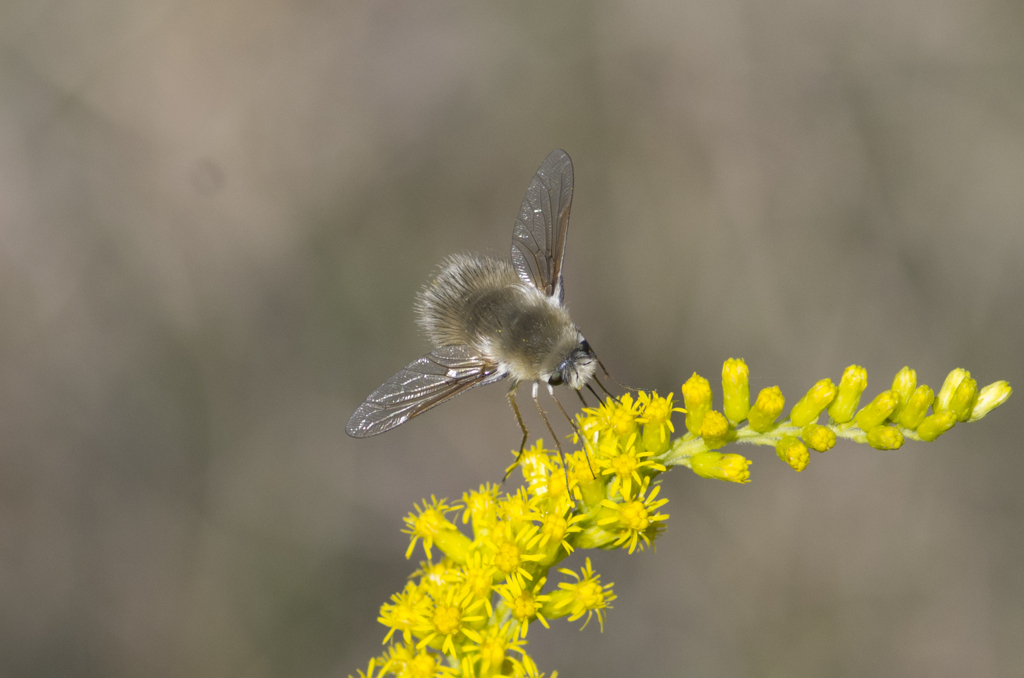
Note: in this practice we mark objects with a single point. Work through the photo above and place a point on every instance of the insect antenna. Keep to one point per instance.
(606, 391)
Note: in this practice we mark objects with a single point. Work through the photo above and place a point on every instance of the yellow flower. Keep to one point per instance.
(635, 518)
(735, 390)
(878, 410)
(769, 405)
(405, 662)
(656, 416)
(885, 438)
(989, 398)
(430, 525)
(914, 412)
(478, 576)
(585, 596)
(851, 385)
(524, 604)
(487, 657)
(808, 408)
(793, 452)
(732, 467)
(626, 463)
(405, 612)
(904, 384)
(697, 401)
(514, 552)
(820, 438)
(555, 527)
(715, 430)
(449, 616)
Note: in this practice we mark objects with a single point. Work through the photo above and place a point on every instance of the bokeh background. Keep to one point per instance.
(213, 221)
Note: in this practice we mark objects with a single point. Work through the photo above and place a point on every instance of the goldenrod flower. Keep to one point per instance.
(430, 525)
(626, 463)
(732, 467)
(949, 386)
(487, 657)
(884, 437)
(916, 409)
(937, 424)
(467, 614)
(406, 662)
(514, 551)
(585, 596)
(793, 452)
(406, 611)
(810, 407)
(555, 527)
(634, 518)
(735, 390)
(656, 416)
(962, 403)
(451, 615)
(769, 405)
(989, 398)
(878, 410)
(714, 430)
(697, 401)
(904, 385)
(478, 576)
(525, 604)
(820, 438)
(851, 386)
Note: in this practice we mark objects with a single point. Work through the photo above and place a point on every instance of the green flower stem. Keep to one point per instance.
(686, 446)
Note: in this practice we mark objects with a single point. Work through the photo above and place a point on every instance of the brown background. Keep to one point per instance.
(213, 221)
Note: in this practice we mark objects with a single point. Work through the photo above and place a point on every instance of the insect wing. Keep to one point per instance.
(538, 239)
(428, 381)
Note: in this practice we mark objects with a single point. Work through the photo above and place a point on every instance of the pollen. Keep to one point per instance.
(447, 619)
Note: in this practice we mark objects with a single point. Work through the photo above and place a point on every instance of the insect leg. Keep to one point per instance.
(561, 455)
(526, 433)
(586, 446)
(580, 396)
(591, 389)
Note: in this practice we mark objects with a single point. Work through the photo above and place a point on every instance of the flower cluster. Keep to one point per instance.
(467, 612)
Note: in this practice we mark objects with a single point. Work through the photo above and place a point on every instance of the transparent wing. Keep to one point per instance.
(428, 381)
(538, 239)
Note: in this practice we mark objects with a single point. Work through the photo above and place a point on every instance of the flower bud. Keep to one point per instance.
(937, 424)
(949, 386)
(885, 438)
(904, 385)
(989, 398)
(964, 397)
(697, 401)
(813, 404)
(718, 466)
(820, 438)
(714, 430)
(853, 383)
(877, 411)
(914, 412)
(735, 390)
(793, 452)
(766, 409)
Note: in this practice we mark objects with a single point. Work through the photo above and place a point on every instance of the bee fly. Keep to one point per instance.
(490, 319)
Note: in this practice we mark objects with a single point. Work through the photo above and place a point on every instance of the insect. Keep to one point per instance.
(492, 319)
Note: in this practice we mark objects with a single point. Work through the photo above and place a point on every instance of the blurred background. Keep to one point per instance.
(214, 218)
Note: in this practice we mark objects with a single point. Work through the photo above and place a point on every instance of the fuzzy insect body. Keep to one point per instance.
(491, 319)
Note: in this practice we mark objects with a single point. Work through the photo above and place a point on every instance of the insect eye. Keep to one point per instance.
(585, 346)
(555, 379)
